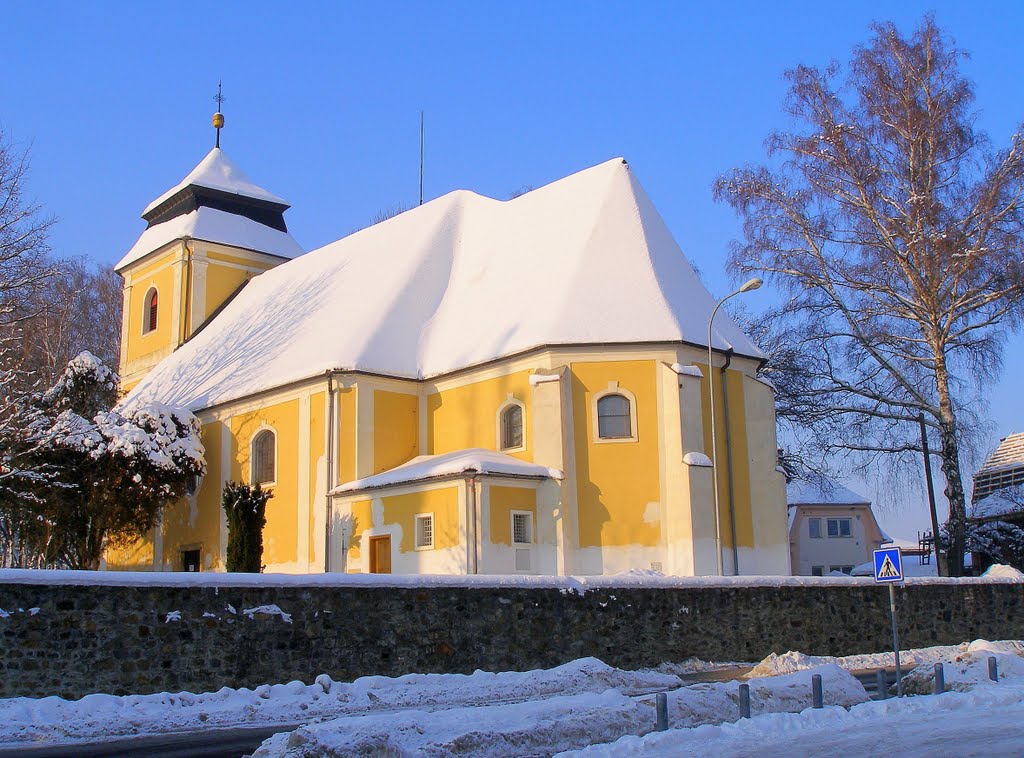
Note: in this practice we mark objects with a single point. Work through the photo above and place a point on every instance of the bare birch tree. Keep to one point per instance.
(896, 230)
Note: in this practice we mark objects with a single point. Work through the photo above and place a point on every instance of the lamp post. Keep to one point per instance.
(749, 285)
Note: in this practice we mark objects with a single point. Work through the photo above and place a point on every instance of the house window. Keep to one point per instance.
(149, 318)
(512, 427)
(817, 571)
(839, 527)
(264, 452)
(843, 569)
(522, 528)
(613, 417)
(424, 531)
(814, 528)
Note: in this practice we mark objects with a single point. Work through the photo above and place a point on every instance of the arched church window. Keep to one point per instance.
(512, 427)
(150, 316)
(264, 455)
(613, 417)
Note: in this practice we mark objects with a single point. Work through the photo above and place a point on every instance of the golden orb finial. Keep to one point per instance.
(218, 117)
(218, 120)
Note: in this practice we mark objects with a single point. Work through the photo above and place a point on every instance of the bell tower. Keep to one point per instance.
(205, 238)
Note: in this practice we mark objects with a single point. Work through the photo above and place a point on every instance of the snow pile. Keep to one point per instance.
(714, 702)
(94, 716)
(790, 662)
(267, 610)
(470, 461)
(530, 728)
(999, 571)
(964, 673)
(985, 722)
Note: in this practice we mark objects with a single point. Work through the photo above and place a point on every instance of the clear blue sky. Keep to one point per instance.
(323, 104)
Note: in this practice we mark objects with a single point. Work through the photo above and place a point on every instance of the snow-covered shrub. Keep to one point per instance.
(116, 469)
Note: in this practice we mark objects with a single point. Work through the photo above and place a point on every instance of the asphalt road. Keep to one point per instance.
(215, 743)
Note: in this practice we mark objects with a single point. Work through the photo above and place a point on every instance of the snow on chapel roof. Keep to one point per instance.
(469, 461)
(456, 282)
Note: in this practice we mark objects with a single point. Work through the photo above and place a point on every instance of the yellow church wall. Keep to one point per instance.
(618, 482)
(503, 501)
(346, 438)
(138, 556)
(280, 538)
(317, 433)
(396, 429)
(740, 454)
(161, 275)
(360, 520)
(466, 416)
(221, 282)
(401, 511)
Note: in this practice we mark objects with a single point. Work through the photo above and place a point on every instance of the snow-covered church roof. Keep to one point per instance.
(173, 217)
(456, 282)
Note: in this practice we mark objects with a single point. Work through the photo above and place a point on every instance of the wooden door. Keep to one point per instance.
(380, 554)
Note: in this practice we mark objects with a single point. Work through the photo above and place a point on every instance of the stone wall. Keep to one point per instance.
(118, 639)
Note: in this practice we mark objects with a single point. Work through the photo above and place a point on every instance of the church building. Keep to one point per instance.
(472, 386)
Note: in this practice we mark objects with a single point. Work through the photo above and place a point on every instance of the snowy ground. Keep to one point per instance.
(574, 707)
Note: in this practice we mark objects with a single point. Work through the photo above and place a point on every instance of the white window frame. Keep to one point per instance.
(839, 532)
(252, 455)
(510, 401)
(809, 533)
(512, 528)
(145, 310)
(613, 389)
(420, 517)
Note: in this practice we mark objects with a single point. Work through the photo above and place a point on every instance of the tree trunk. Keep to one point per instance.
(956, 526)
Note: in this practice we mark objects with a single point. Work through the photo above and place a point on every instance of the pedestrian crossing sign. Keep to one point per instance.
(888, 565)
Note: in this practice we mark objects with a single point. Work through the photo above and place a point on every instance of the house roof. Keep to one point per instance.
(469, 461)
(822, 492)
(999, 503)
(1008, 454)
(454, 283)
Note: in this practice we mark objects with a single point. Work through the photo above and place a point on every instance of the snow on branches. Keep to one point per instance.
(113, 470)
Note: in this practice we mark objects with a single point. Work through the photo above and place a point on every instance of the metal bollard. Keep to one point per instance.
(744, 701)
(940, 679)
(817, 700)
(881, 684)
(993, 669)
(661, 706)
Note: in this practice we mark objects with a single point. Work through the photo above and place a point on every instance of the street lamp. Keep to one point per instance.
(749, 285)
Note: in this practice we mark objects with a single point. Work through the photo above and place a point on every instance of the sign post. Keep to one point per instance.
(889, 570)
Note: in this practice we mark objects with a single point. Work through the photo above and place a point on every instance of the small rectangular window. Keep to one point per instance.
(814, 528)
(817, 570)
(839, 527)
(425, 531)
(522, 528)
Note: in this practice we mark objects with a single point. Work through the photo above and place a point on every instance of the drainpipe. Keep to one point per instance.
(187, 306)
(728, 464)
(329, 510)
(472, 559)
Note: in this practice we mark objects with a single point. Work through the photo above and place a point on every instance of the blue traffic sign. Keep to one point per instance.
(888, 565)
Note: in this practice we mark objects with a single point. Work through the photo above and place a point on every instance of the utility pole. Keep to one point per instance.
(939, 564)
(421, 157)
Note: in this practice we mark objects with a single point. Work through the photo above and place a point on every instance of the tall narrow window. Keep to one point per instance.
(613, 421)
(263, 454)
(512, 427)
(150, 316)
(424, 531)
